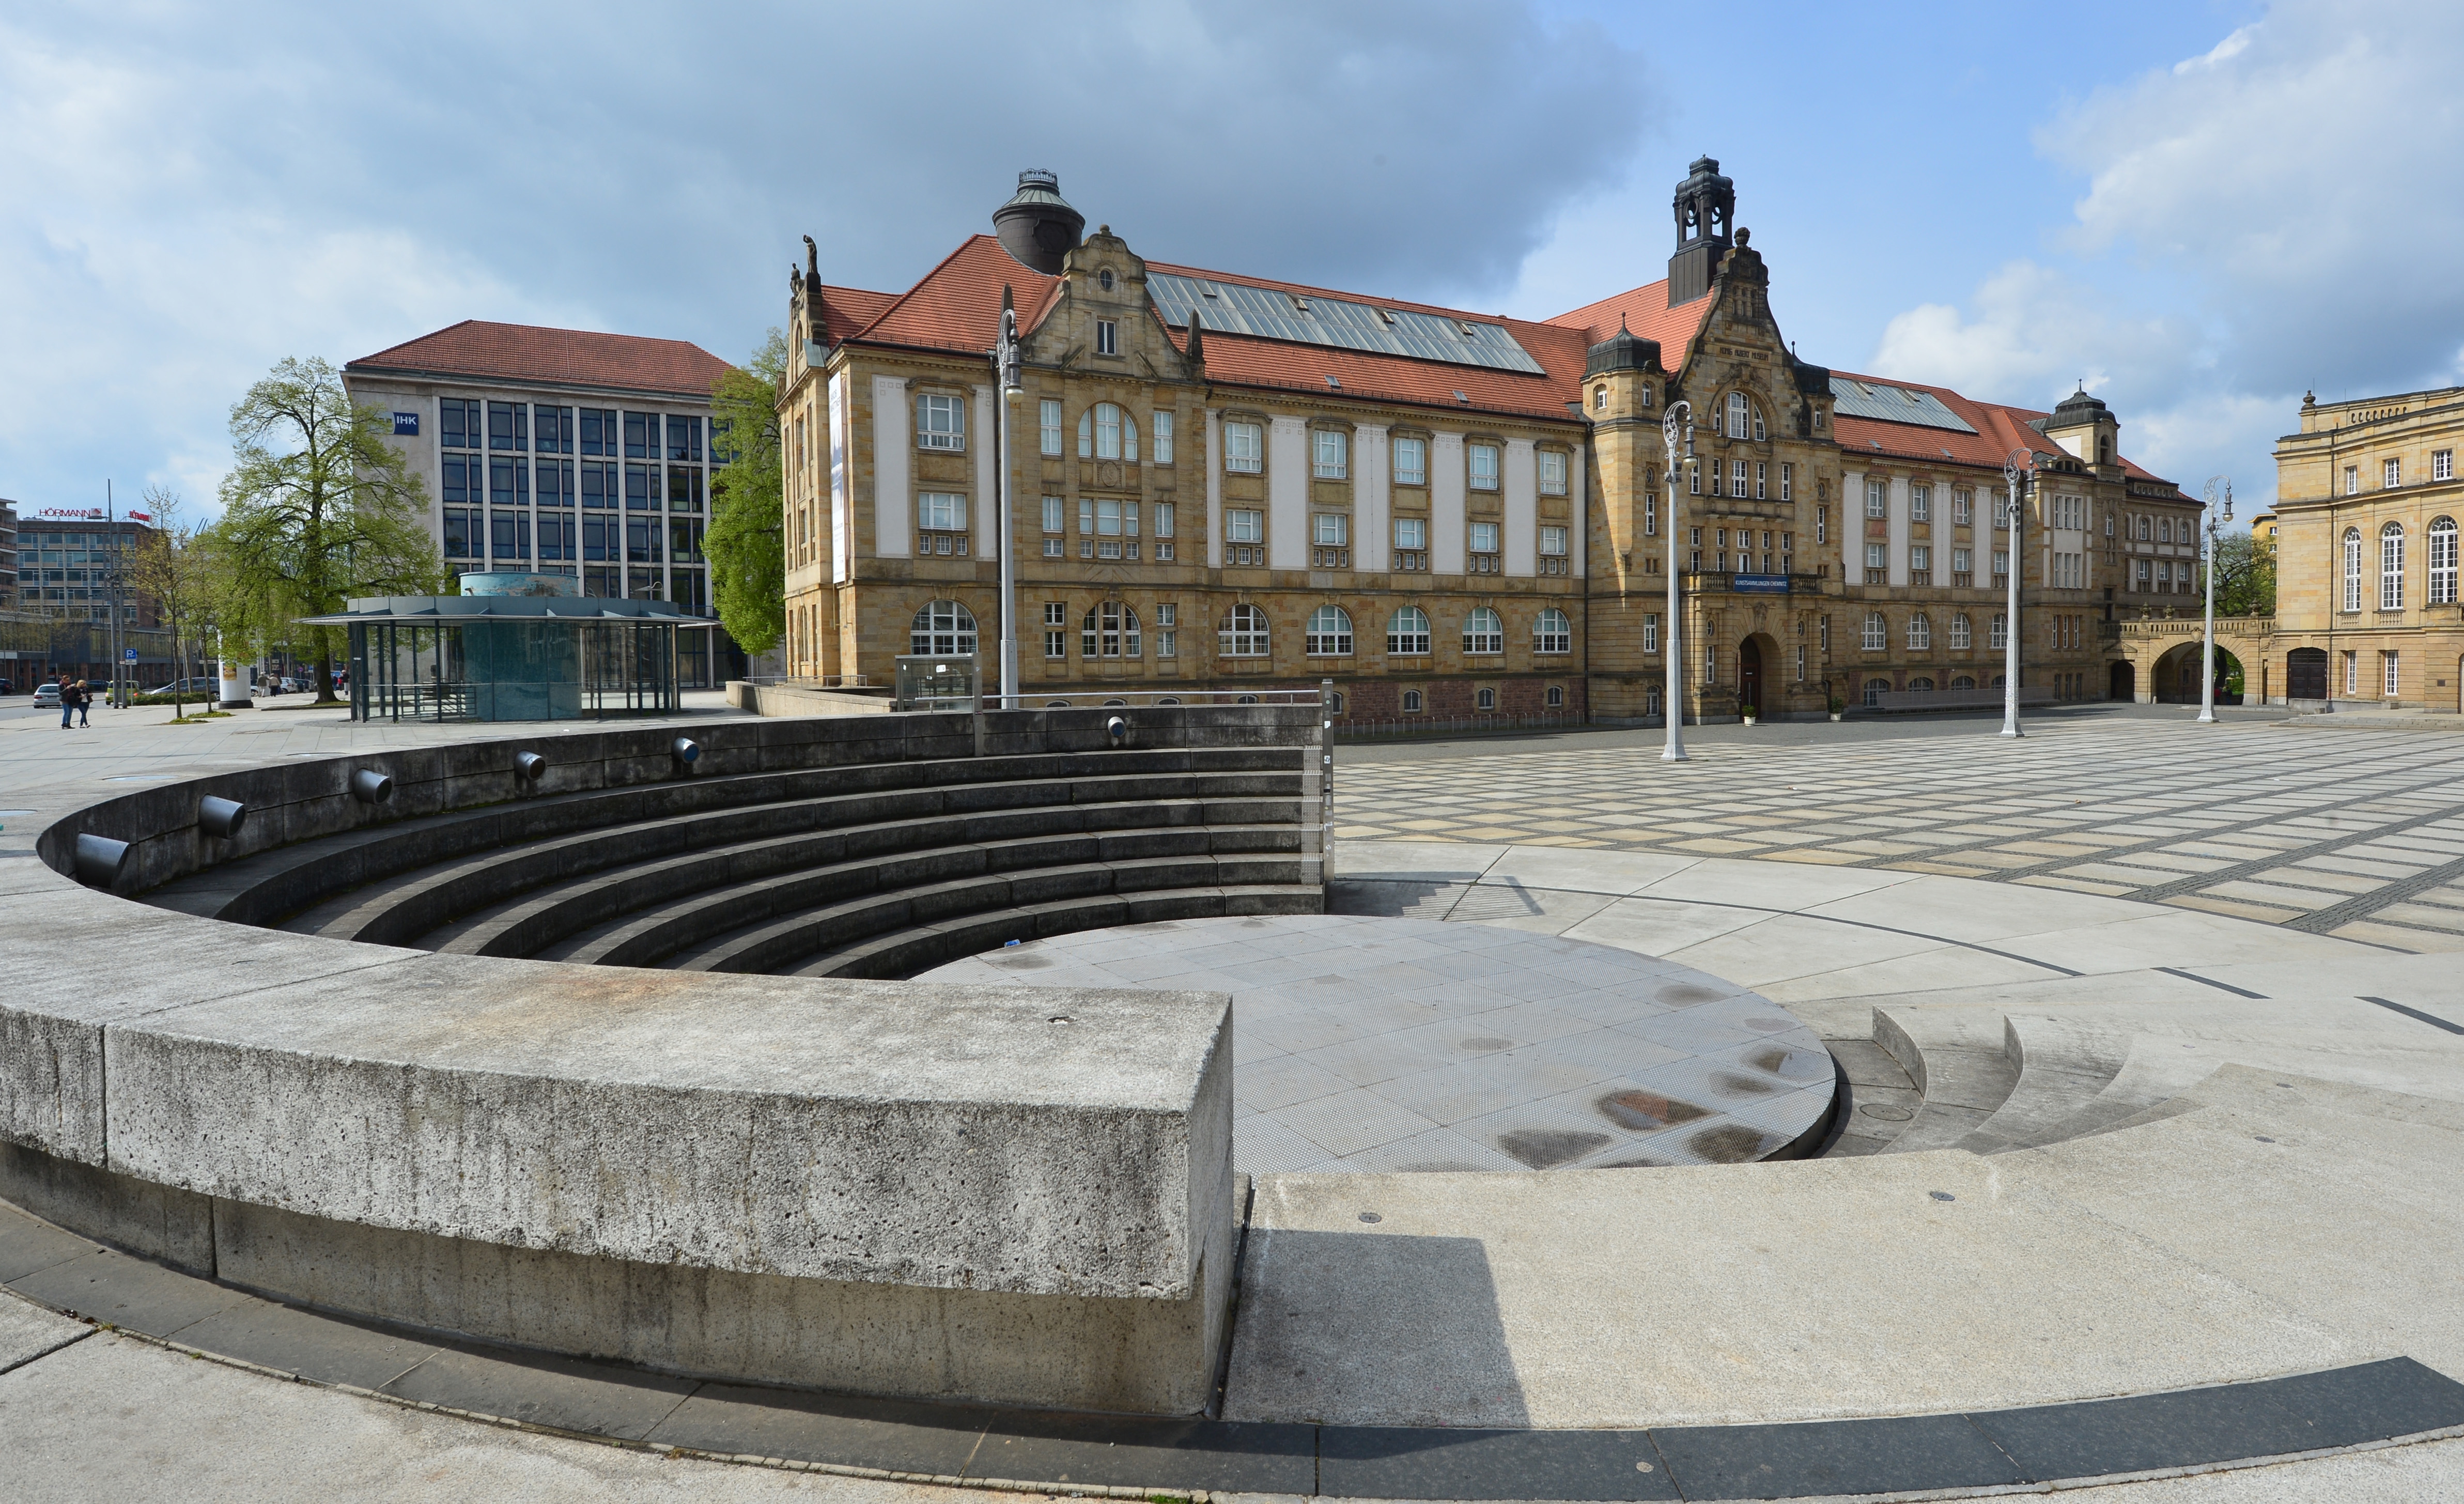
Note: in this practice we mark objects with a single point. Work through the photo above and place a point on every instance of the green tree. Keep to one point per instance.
(2245, 569)
(747, 540)
(171, 569)
(318, 507)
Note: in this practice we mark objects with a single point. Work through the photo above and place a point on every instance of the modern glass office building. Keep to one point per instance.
(563, 452)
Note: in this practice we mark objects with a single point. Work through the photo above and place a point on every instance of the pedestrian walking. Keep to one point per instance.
(68, 702)
(84, 704)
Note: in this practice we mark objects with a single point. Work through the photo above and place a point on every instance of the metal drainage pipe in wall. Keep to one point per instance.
(220, 818)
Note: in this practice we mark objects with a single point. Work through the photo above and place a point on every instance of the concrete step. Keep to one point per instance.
(651, 920)
(785, 944)
(1957, 1059)
(908, 952)
(2062, 1068)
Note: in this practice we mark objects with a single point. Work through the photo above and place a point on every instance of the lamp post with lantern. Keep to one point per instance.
(2018, 471)
(1676, 422)
(2219, 511)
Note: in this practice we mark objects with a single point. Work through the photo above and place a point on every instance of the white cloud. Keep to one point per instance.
(2032, 333)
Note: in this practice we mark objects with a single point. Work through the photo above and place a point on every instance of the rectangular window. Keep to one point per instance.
(2001, 564)
(641, 434)
(1694, 480)
(2352, 480)
(2442, 465)
(644, 538)
(1962, 561)
(1788, 486)
(1052, 514)
(556, 539)
(1822, 524)
(554, 430)
(1410, 533)
(1736, 477)
(458, 423)
(940, 421)
(641, 488)
(1331, 530)
(684, 437)
(1483, 538)
(1163, 438)
(2387, 666)
(1048, 426)
(1920, 504)
(1998, 634)
(1411, 462)
(2353, 673)
(1108, 336)
(683, 539)
(1056, 628)
(2393, 476)
(1552, 473)
(1878, 497)
(555, 482)
(1244, 448)
(1800, 663)
(1962, 508)
(509, 535)
(1759, 468)
(1875, 564)
(1482, 460)
(941, 512)
(1650, 631)
(1241, 525)
(597, 431)
(1163, 519)
(684, 488)
(1919, 564)
(458, 533)
(1333, 459)
(1552, 542)
(599, 485)
(508, 482)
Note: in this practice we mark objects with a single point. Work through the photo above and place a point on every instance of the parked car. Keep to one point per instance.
(47, 694)
(193, 687)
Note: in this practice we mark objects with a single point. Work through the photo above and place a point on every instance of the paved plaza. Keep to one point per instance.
(2355, 832)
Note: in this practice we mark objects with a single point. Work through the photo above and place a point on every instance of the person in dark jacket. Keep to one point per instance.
(85, 704)
(68, 702)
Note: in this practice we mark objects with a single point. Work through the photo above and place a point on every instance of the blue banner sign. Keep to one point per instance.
(1758, 583)
(405, 425)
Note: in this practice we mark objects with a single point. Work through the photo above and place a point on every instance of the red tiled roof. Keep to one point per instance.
(846, 309)
(956, 305)
(2000, 430)
(574, 357)
(1644, 312)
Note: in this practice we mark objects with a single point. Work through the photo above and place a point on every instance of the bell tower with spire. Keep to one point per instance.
(1706, 208)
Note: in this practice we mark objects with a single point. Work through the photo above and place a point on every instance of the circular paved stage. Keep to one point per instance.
(1369, 1044)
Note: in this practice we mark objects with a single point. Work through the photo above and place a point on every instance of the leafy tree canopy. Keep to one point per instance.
(746, 543)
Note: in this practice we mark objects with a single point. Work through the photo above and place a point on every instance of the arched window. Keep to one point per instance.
(1411, 703)
(1551, 632)
(1103, 432)
(1963, 681)
(1998, 634)
(1484, 698)
(2442, 561)
(1554, 696)
(1744, 416)
(1111, 631)
(1329, 634)
(1874, 690)
(942, 627)
(1922, 684)
(1921, 633)
(2352, 569)
(1484, 632)
(1878, 633)
(1963, 631)
(2391, 567)
(1243, 632)
(1407, 633)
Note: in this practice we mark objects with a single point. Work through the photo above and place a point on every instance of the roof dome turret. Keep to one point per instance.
(2077, 409)
(1622, 351)
(1037, 226)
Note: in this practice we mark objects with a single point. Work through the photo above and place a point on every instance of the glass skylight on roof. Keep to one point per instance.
(1273, 314)
(1873, 399)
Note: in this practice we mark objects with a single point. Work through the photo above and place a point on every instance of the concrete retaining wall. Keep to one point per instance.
(1011, 1194)
(791, 700)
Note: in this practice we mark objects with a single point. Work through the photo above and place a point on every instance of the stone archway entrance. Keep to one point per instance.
(2122, 683)
(1750, 677)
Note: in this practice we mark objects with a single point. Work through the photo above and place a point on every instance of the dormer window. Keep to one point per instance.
(1104, 279)
(1108, 336)
(1599, 399)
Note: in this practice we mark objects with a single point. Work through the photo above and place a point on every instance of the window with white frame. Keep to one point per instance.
(1412, 542)
(1108, 336)
(1331, 529)
(1483, 538)
(1599, 399)
(1920, 504)
(2392, 473)
(1919, 564)
(942, 627)
(1110, 631)
(1411, 703)
(1552, 471)
(1244, 532)
(1162, 439)
(1481, 460)
(1411, 462)
(1997, 632)
(1963, 565)
(941, 524)
(1407, 632)
(1650, 509)
(1483, 698)
(1245, 448)
(1552, 542)
(2001, 564)
(1052, 527)
(1333, 455)
(1484, 632)
(2352, 480)
(1551, 632)
(1243, 633)
(1878, 497)
(1049, 427)
(2442, 465)
(1163, 532)
(1650, 631)
(1920, 632)
(1693, 480)
(1710, 664)
(1878, 633)
(2442, 561)
(2387, 674)
(1056, 628)
(1786, 481)
(1877, 562)
(1821, 522)
(1744, 416)
(1329, 632)
(940, 421)
(2391, 567)
(1167, 630)
(2352, 672)
(1736, 477)
(1962, 508)
(1962, 633)
(2352, 569)
(1106, 432)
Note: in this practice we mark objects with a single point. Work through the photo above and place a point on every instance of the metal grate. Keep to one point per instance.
(1273, 314)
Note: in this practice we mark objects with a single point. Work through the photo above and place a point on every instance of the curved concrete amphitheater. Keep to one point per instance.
(2096, 1190)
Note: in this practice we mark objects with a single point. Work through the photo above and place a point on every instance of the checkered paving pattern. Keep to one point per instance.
(2355, 834)
(1373, 1044)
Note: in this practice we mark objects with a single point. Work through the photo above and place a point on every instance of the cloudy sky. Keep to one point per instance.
(2203, 208)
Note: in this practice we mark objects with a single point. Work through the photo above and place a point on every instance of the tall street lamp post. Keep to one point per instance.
(2219, 511)
(2018, 471)
(1676, 422)
(1005, 363)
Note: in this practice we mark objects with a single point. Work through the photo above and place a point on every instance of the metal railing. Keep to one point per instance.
(825, 681)
(1365, 729)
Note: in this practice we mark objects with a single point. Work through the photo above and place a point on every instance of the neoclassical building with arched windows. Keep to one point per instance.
(2367, 600)
(1229, 481)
